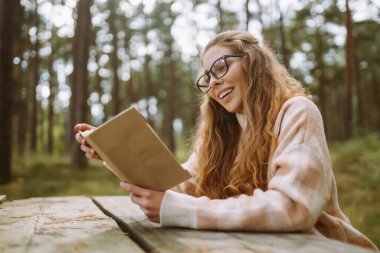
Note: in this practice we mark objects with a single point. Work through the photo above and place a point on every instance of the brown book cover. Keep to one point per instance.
(133, 151)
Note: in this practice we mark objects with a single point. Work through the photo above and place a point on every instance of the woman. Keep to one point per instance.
(260, 160)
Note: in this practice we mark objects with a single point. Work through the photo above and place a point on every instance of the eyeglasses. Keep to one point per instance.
(218, 69)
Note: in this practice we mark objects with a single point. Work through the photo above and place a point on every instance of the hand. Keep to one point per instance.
(90, 153)
(148, 200)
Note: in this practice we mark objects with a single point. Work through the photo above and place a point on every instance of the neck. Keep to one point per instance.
(242, 119)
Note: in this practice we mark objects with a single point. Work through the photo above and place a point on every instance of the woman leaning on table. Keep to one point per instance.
(260, 161)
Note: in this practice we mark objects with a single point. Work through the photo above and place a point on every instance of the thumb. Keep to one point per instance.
(83, 127)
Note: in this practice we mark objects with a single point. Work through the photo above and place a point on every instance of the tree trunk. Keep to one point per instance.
(171, 96)
(375, 90)
(194, 112)
(98, 79)
(36, 78)
(147, 88)
(247, 14)
(80, 75)
(320, 73)
(220, 18)
(98, 86)
(260, 18)
(21, 79)
(348, 75)
(360, 120)
(6, 88)
(97, 82)
(284, 49)
(41, 131)
(21, 110)
(131, 86)
(52, 95)
(114, 59)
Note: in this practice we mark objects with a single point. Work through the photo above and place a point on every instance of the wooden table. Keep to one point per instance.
(87, 224)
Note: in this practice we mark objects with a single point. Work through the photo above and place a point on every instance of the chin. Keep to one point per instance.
(234, 109)
(231, 110)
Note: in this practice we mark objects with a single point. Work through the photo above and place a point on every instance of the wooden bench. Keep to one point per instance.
(87, 224)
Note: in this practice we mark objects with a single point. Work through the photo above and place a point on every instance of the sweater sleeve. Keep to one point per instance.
(191, 165)
(297, 192)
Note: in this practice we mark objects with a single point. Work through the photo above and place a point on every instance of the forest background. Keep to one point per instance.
(69, 61)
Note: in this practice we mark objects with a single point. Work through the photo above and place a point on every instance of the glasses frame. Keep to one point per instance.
(208, 72)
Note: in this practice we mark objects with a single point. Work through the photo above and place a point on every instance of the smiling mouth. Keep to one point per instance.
(225, 93)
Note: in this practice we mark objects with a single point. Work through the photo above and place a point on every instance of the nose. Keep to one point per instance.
(214, 81)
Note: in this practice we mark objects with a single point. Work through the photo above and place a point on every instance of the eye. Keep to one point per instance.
(219, 67)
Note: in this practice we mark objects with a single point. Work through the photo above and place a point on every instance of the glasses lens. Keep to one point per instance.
(203, 83)
(219, 68)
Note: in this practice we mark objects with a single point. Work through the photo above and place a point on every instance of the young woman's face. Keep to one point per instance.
(228, 90)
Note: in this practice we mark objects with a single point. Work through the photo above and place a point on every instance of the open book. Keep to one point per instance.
(132, 150)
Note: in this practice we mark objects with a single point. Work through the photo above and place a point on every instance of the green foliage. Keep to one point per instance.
(356, 165)
(46, 176)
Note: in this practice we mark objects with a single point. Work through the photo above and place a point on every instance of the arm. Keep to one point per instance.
(298, 190)
(150, 200)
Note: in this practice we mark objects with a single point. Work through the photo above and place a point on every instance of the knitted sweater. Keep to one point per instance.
(301, 195)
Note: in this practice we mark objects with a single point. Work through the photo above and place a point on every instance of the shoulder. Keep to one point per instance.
(299, 102)
(298, 113)
(298, 106)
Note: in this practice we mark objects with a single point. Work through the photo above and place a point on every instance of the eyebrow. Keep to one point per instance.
(209, 69)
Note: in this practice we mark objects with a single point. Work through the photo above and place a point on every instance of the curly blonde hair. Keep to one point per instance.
(231, 161)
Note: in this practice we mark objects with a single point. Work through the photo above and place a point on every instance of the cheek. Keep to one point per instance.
(243, 81)
(213, 98)
(211, 94)
(244, 84)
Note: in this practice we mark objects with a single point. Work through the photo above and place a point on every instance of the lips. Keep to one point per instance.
(225, 92)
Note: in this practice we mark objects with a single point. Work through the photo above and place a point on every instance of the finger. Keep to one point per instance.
(152, 217)
(145, 211)
(83, 127)
(85, 148)
(133, 198)
(79, 138)
(89, 155)
(92, 154)
(137, 200)
(136, 190)
(96, 156)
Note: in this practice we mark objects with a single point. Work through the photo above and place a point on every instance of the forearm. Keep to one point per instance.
(265, 211)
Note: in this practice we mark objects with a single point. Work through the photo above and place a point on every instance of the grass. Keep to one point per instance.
(356, 166)
(52, 176)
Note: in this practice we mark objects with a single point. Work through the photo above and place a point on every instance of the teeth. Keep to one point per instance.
(225, 93)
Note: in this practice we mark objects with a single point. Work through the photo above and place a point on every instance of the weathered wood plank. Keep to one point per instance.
(294, 243)
(3, 198)
(65, 224)
(152, 237)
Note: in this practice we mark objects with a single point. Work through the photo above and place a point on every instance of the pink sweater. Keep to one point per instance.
(301, 195)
